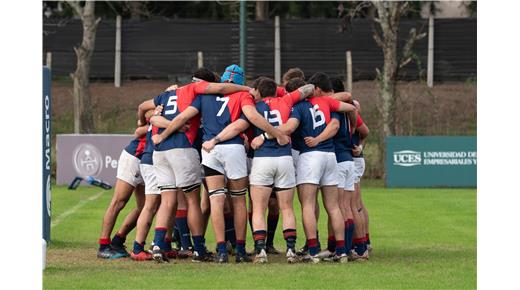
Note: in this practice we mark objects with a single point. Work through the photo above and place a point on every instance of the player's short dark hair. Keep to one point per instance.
(337, 84)
(257, 82)
(293, 73)
(322, 81)
(205, 74)
(267, 87)
(293, 84)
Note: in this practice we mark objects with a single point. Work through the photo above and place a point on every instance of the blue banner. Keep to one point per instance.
(46, 154)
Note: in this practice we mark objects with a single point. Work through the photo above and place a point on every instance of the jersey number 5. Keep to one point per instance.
(225, 100)
(318, 118)
(172, 101)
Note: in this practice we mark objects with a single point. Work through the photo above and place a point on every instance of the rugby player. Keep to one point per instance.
(128, 180)
(176, 162)
(362, 238)
(272, 168)
(317, 165)
(227, 160)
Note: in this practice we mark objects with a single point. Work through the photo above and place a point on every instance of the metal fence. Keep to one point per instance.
(161, 48)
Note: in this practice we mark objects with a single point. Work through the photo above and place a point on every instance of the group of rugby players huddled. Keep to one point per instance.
(267, 140)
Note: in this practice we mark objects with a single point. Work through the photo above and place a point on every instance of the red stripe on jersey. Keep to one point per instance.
(359, 121)
(140, 147)
(236, 102)
(185, 96)
(155, 130)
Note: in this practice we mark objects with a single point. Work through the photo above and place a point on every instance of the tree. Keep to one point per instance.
(261, 10)
(83, 121)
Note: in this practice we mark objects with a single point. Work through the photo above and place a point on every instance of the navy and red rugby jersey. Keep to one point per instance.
(218, 111)
(280, 91)
(174, 102)
(314, 115)
(148, 148)
(276, 111)
(136, 147)
(355, 136)
(342, 140)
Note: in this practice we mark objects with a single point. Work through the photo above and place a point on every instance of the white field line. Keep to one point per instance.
(75, 208)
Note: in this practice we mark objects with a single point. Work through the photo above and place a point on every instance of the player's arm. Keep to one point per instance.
(260, 122)
(302, 93)
(140, 131)
(159, 121)
(343, 97)
(142, 109)
(286, 129)
(351, 112)
(224, 88)
(363, 134)
(176, 124)
(231, 131)
(330, 131)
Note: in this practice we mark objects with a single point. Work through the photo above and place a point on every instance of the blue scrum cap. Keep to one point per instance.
(233, 74)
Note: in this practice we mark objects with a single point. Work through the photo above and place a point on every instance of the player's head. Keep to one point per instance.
(291, 74)
(267, 87)
(293, 84)
(321, 83)
(337, 84)
(204, 74)
(233, 74)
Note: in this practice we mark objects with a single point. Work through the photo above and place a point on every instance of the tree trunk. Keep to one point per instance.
(83, 120)
(261, 10)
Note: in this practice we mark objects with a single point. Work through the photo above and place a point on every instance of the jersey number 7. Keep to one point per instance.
(225, 100)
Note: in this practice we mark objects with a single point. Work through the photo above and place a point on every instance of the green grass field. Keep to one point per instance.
(422, 238)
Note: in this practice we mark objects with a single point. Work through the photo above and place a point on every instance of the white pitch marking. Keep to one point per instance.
(75, 208)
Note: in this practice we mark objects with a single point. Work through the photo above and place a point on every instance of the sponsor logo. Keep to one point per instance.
(48, 195)
(87, 160)
(407, 158)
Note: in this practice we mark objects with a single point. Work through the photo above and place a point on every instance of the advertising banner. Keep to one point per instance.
(85, 155)
(46, 154)
(437, 161)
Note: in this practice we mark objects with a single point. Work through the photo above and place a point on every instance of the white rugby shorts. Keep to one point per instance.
(178, 167)
(128, 169)
(228, 159)
(347, 175)
(317, 167)
(360, 168)
(150, 181)
(277, 171)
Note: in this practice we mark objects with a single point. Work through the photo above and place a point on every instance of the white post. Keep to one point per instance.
(200, 59)
(349, 71)
(49, 59)
(277, 62)
(117, 68)
(430, 52)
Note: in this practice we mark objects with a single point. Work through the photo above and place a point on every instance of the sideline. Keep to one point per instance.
(75, 208)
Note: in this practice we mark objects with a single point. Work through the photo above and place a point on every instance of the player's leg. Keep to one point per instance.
(129, 223)
(272, 223)
(229, 225)
(260, 197)
(122, 193)
(181, 223)
(359, 247)
(285, 202)
(217, 197)
(307, 196)
(144, 222)
(204, 205)
(237, 192)
(331, 204)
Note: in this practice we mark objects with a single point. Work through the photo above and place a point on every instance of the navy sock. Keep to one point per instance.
(199, 244)
(241, 247)
(349, 237)
(272, 224)
(138, 248)
(259, 237)
(181, 221)
(229, 225)
(160, 234)
(331, 243)
(104, 243)
(221, 248)
(359, 246)
(290, 238)
(313, 246)
(340, 247)
(167, 244)
(118, 240)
